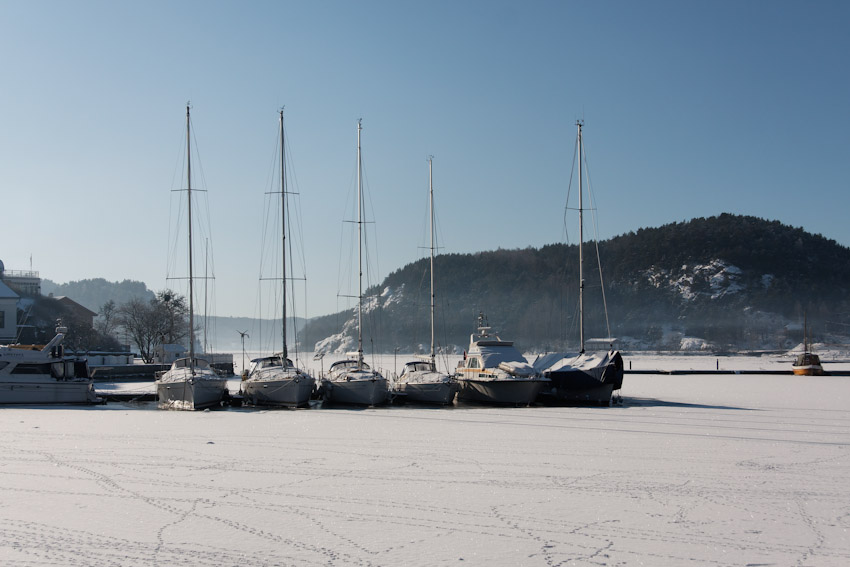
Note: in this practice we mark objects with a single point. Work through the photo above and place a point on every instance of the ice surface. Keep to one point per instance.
(705, 470)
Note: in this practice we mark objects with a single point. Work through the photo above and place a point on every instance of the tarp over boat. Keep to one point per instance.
(496, 353)
(602, 367)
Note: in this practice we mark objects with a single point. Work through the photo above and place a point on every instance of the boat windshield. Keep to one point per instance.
(347, 364)
(184, 363)
(269, 362)
(418, 366)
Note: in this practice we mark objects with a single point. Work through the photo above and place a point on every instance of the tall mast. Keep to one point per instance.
(579, 124)
(431, 207)
(359, 251)
(283, 232)
(189, 199)
(206, 284)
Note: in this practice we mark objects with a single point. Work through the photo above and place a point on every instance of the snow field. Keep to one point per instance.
(709, 470)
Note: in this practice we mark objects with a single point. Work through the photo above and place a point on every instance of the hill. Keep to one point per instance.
(724, 282)
(93, 293)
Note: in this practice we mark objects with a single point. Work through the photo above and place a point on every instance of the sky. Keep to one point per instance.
(691, 109)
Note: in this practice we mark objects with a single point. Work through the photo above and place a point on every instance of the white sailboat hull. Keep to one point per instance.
(362, 392)
(192, 394)
(439, 393)
(286, 392)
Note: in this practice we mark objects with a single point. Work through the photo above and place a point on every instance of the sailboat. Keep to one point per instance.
(275, 380)
(493, 371)
(419, 380)
(352, 381)
(588, 378)
(807, 363)
(190, 383)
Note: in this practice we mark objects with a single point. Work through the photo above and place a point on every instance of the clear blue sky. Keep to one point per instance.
(691, 109)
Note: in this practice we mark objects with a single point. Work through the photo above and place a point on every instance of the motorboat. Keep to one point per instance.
(35, 374)
(493, 371)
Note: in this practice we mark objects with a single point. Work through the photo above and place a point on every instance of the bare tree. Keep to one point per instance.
(107, 318)
(149, 324)
(173, 310)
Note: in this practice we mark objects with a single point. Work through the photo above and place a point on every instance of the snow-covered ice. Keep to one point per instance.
(704, 470)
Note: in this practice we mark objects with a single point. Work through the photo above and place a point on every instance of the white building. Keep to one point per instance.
(8, 313)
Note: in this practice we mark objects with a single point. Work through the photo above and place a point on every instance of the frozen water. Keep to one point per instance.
(709, 470)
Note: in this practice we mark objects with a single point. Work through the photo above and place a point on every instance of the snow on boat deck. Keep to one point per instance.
(714, 470)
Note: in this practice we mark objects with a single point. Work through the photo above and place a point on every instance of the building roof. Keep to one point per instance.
(7, 293)
(74, 305)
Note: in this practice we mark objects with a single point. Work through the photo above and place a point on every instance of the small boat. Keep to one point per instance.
(419, 380)
(807, 363)
(190, 383)
(494, 372)
(31, 374)
(352, 381)
(275, 380)
(584, 378)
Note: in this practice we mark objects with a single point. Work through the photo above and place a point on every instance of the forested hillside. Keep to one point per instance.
(730, 281)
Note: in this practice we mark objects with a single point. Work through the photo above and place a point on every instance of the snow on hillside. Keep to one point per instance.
(718, 278)
(345, 340)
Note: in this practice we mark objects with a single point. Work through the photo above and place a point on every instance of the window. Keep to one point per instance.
(2, 319)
